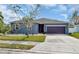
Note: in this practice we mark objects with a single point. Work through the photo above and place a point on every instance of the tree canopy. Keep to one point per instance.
(1, 21)
(75, 13)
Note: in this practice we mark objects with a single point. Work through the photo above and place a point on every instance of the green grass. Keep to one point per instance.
(40, 38)
(16, 46)
(76, 35)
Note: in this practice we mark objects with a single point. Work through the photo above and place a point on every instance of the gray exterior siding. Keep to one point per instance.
(20, 30)
(74, 29)
(35, 29)
(23, 30)
(71, 30)
(77, 28)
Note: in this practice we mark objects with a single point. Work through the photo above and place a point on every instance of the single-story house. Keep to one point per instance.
(42, 25)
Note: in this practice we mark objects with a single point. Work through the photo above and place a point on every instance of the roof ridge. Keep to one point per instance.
(50, 19)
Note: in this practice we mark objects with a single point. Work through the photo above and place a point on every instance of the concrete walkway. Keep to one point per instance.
(20, 42)
(58, 44)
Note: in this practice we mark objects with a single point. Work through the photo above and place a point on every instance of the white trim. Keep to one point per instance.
(56, 25)
(45, 26)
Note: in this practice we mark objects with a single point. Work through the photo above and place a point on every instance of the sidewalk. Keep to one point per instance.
(20, 42)
(23, 34)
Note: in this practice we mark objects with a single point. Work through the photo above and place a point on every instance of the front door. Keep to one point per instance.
(41, 28)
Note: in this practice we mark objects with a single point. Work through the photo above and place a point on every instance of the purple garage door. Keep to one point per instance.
(55, 30)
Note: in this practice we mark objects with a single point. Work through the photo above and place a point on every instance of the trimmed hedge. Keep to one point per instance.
(76, 35)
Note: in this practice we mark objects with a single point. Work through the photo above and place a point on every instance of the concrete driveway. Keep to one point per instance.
(57, 44)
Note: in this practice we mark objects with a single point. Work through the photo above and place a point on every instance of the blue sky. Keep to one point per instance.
(52, 11)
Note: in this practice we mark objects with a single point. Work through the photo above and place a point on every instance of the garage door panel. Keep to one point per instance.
(56, 30)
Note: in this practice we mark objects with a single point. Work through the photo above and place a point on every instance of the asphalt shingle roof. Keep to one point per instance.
(43, 21)
(48, 21)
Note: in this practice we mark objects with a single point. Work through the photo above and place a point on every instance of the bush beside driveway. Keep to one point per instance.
(76, 35)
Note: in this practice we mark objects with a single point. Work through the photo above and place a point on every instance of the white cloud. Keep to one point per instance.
(71, 9)
(48, 6)
(8, 14)
(76, 6)
(59, 9)
(65, 16)
(62, 8)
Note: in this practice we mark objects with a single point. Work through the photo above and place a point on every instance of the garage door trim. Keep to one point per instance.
(59, 30)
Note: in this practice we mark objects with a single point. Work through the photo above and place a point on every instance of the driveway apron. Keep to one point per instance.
(58, 43)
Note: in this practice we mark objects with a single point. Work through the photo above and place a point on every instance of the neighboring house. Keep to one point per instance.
(42, 25)
(74, 25)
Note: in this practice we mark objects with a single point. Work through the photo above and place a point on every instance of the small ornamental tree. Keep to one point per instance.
(30, 15)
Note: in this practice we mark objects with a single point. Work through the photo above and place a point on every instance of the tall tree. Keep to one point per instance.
(73, 17)
(75, 13)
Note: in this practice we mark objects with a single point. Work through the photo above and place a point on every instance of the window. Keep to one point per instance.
(17, 26)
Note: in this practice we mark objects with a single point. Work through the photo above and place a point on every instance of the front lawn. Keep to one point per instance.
(40, 38)
(76, 35)
(16, 46)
